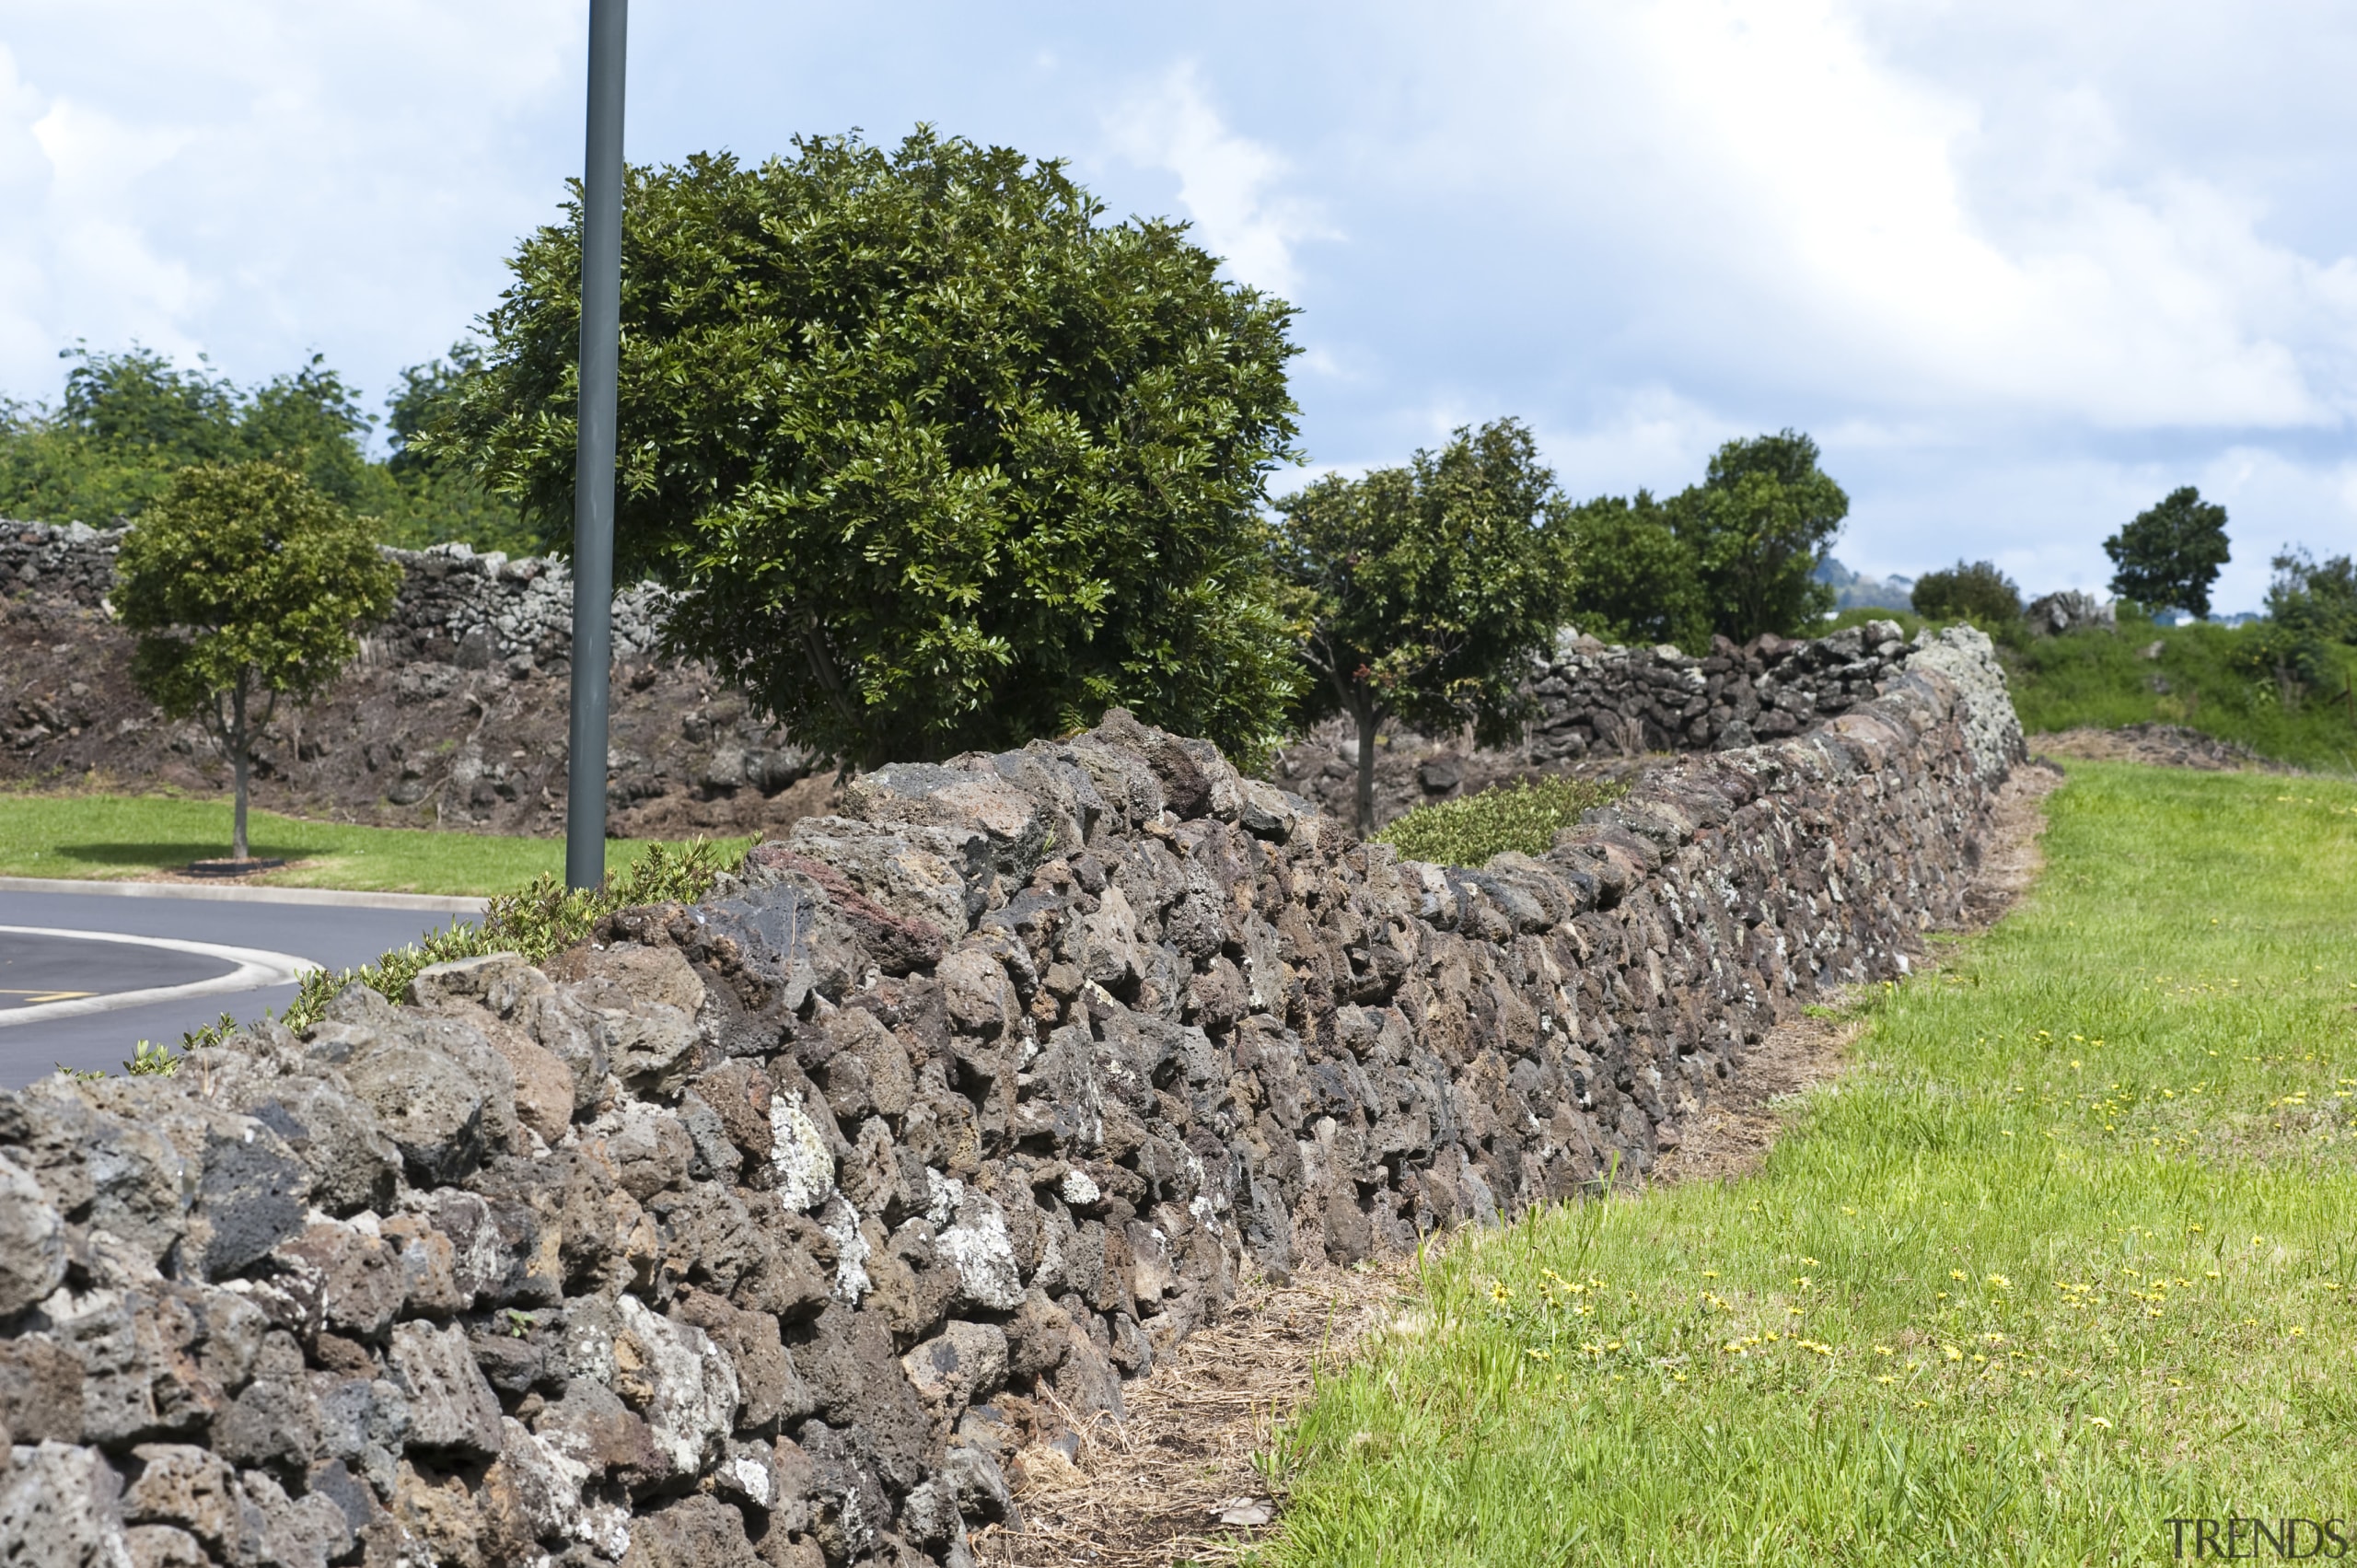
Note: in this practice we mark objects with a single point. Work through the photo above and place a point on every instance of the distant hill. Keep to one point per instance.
(1856, 591)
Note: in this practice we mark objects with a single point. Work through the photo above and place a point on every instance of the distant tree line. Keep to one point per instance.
(128, 421)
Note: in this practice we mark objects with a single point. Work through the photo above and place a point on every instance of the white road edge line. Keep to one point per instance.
(256, 968)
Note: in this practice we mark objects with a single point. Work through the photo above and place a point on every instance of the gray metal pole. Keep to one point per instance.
(593, 478)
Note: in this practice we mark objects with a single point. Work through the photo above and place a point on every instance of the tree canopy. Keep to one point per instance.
(1427, 588)
(1758, 524)
(938, 459)
(128, 421)
(245, 585)
(1635, 580)
(1736, 555)
(2170, 556)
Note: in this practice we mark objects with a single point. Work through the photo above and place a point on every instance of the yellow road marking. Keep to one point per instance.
(33, 996)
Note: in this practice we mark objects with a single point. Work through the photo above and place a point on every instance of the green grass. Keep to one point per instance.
(1524, 816)
(108, 837)
(2102, 678)
(2069, 1253)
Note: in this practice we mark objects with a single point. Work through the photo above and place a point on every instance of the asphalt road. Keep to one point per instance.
(42, 963)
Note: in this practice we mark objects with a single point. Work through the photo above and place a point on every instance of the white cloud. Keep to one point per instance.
(1226, 180)
(1826, 190)
(262, 179)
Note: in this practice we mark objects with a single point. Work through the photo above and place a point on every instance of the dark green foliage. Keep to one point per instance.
(939, 459)
(433, 497)
(2170, 556)
(245, 584)
(1634, 580)
(1737, 554)
(128, 421)
(1762, 518)
(1975, 591)
(1427, 588)
(1523, 816)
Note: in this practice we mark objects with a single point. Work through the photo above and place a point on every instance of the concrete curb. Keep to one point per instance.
(256, 968)
(442, 902)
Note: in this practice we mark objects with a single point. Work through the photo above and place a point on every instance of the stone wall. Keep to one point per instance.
(773, 1229)
(454, 607)
(1593, 700)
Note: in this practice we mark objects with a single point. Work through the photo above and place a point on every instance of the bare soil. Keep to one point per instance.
(2164, 745)
(1153, 1490)
(410, 745)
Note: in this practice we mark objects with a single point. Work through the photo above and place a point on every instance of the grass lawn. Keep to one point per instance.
(115, 837)
(2070, 1251)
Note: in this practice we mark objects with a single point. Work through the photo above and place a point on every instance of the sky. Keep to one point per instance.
(2021, 269)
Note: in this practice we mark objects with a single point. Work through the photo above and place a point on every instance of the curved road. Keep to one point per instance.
(78, 968)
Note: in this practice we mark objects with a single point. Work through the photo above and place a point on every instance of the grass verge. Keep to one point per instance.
(114, 838)
(2066, 1255)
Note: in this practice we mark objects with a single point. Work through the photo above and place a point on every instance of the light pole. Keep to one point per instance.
(593, 474)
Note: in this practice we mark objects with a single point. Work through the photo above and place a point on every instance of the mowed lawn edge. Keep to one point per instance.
(89, 837)
(2067, 1254)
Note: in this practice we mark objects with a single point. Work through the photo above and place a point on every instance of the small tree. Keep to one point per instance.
(1427, 588)
(2311, 610)
(245, 585)
(939, 461)
(1758, 524)
(1977, 591)
(2170, 554)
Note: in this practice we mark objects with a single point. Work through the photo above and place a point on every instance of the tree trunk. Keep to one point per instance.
(1370, 720)
(237, 764)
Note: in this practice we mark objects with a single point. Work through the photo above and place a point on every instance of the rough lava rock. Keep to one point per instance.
(765, 1231)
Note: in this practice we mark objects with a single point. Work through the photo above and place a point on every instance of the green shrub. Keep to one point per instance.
(1976, 591)
(539, 920)
(1523, 816)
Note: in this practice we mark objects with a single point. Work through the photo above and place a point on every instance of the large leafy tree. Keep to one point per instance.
(1758, 524)
(1737, 554)
(245, 585)
(1635, 580)
(936, 458)
(1427, 588)
(2170, 554)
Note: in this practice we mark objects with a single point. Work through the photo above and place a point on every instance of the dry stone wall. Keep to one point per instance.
(771, 1229)
(1593, 698)
(453, 607)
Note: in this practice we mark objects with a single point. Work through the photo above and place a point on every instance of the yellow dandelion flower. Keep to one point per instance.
(1951, 1353)
(2098, 1421)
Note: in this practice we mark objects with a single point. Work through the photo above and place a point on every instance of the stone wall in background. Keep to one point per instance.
(776, 1229)
(454, 607)
(1598, 706)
